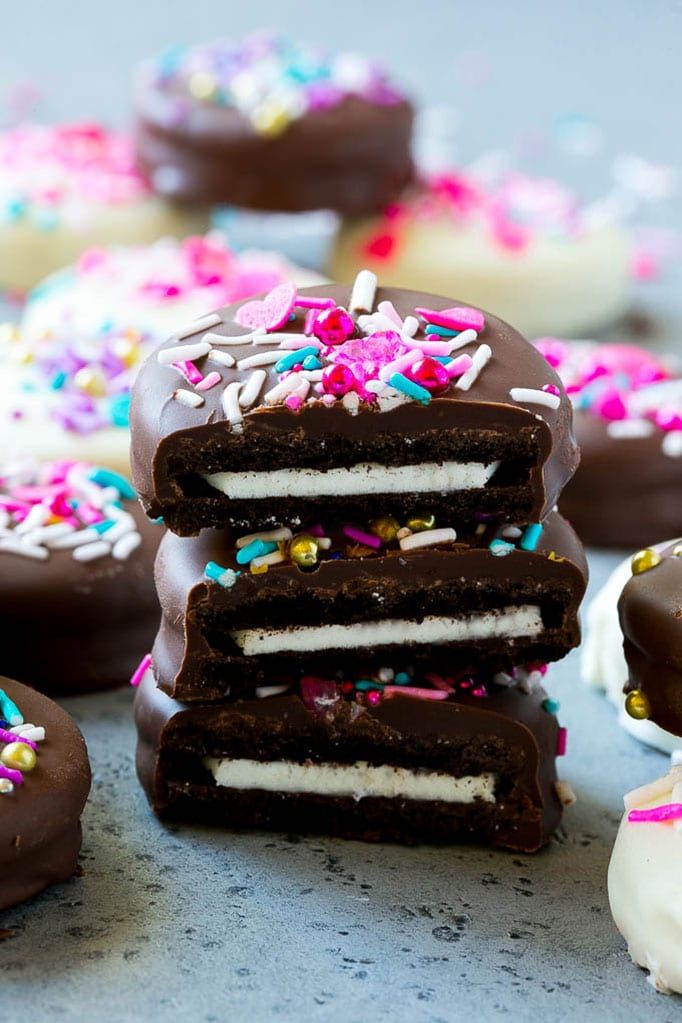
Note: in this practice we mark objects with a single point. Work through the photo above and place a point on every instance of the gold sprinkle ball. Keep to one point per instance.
(386, 528)
(6, 786)
(19, 756)
(644, 560)
(420, 522)
(637, 705)
(258, 569)
(91, 381)
(202, 85)
(303, 550)
(270, 120)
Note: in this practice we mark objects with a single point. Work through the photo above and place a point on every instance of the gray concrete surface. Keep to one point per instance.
(189, 924)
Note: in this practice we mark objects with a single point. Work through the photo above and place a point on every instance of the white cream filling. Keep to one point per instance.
(363, 478)
(524, 620)
(359, 780)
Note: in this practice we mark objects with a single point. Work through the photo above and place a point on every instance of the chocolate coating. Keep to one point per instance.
(173, 444)
(40, 831)
(353, 158)
(650, 612)
(626, 492)
(507, 732)
(454, 579)
(69, 626)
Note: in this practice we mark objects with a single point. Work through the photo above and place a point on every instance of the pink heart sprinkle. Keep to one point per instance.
(269, 313)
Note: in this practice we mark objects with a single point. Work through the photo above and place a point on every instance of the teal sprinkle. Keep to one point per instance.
(293, 358)
(408, 387)
(106, 326)
(432, 328)
(530, 537)
(364, 686)
(58, 380)
(255, 549)
(225, 577)
(445, 359)
(158, 521)
(500, 547)
(15, 209)
(103, 526)
(109, 478)
(292, 317)
(551, 706)
(311, 362)
(402, 678)
(119, 410)
(9, 710)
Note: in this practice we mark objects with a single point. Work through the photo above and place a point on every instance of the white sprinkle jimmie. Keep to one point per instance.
(671, 444)
(532, 396)
(481, 356)
(183, 353)
(274, 558)
(11, 546)
(427, 538)
(223, 340)
(283, 388)
(363, 293)
(223, 358)
(230, 402)
(190, 398)
(267, 536)
(252, 388)
(203, 323)
(124, 547)
(91, 551)
(624, 429)
(259, 359)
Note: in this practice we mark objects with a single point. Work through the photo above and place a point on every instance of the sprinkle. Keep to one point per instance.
(9, 710)
(7, 737)
(626, 428)
(457, 318)
(230, 403)
(182, 353)
(427, 538)
(363, 293)
(124, 547)
(287, 361)
(225, 340)
(415, 691)
(480, 358)
(671, 444)
(458, 366)
(11, 546)
(75, 539)
(292, 341)
(109, 478)
(565, 793)
(531, 536)
(398, 365)
(500, 548)
(225, 577)
(466, 337)
(209, 381)
(410, 326)
(259, 359)
(30, 732)
(255, 549)
(190, 398)
(532, 396)
(252, 388)
(284, 387)
(203, 323)
(141, 670)
(368, 539)
(309, 302)
(92, 551)
(224, 358)
(11, 775)
(389, 310)
(189, 371)
(657, 814)
(263, 692)
(408, 387)
(432, 329)
(551, 706)
(268, 535)
(274, 558)
(561, 742)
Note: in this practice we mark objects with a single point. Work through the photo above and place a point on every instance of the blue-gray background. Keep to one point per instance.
(189, 924)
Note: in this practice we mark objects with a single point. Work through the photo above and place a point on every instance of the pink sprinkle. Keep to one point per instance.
(209, 381)
(668, 419)
(438, 682)
(368, 539)
(316, 530)
(89, 515)
(431, 347)
(294, 402)
(310, 321)
(306, 302)
(561, 742)
(189, 371)
(552, 389)
(457, 318)
(667, 812)
(269, 313)
(459, 365)
(388, 309)
(610, 405)
(8, 772)
(142, 667)
(8, 737)
(91, 259)
(418, 693)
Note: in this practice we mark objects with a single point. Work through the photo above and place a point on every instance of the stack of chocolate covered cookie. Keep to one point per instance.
(364, 575)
